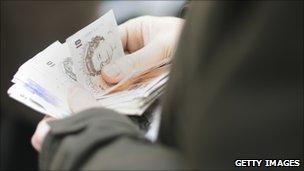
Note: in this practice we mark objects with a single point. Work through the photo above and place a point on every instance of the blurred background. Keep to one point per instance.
(27, 27)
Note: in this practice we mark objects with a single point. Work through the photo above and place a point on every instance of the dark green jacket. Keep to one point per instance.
(235, 92)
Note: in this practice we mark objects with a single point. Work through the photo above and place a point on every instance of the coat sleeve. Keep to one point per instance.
(102, 139)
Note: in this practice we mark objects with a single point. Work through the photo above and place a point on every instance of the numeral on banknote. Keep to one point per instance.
(78, 43)
(50, 64)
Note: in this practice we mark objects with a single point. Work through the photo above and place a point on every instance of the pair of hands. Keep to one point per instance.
(146, 40)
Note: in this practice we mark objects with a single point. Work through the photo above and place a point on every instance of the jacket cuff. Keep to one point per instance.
(118, 124)
(80, 121)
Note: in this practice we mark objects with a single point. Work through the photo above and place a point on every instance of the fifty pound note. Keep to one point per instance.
(92, 48)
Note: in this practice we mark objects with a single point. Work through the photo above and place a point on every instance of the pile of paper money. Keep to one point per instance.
(43, 82)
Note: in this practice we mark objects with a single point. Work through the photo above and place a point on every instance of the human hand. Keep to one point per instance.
(40, 133)
(146, 41)
(78, 99)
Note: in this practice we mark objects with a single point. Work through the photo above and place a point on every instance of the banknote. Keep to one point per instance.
(19, 93)
(48, 76)
(43, 82)
(93, 47)
(139, 75)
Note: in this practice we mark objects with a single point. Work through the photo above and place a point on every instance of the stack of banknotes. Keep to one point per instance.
(43, 82)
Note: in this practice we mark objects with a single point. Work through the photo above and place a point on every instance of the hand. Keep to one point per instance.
(42, 130)
(146, 41)
(78, 99)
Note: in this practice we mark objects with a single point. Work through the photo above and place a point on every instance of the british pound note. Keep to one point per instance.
(92, 48)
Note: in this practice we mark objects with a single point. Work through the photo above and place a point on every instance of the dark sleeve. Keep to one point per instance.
(236, 84)
(184, 10)
(102, 139)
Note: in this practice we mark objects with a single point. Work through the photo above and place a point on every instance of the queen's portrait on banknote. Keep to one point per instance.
(98, 54)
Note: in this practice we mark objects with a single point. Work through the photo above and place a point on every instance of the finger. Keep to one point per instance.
(147, 56)
(40, 133)
(79, 99)
(131, 35)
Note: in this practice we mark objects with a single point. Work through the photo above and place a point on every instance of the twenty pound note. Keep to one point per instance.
(92, 48)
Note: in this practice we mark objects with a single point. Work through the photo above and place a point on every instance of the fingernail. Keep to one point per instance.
(112, 70)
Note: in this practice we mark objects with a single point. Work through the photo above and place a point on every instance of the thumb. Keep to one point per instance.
(117, 70)
(41, 131)
(121, 67)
